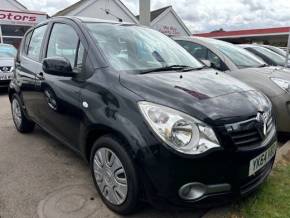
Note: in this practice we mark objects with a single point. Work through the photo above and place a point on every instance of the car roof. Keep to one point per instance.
(249, 45)
(90, 20)
(206, 40)
(189, 38)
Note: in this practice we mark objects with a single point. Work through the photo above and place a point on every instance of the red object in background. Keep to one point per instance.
(249, 32)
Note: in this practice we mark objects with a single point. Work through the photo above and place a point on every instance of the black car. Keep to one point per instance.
(153, 123)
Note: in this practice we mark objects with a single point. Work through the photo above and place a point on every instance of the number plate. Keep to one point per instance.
(258, 162)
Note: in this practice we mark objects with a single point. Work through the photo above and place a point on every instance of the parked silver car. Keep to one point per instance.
(267, 55)
(275, 49)
(7, 58)
(241, 64)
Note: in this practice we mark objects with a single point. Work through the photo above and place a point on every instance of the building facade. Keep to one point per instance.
(101, 9)
(168, 22)
(165, 19)
(15, 20)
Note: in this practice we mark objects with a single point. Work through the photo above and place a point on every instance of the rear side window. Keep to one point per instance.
(34, 47)
(64, 42)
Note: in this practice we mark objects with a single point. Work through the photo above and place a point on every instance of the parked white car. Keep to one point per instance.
(7, 58)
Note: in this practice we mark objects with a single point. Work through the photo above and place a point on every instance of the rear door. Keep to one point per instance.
(28, 65)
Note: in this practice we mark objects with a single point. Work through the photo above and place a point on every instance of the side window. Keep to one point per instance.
(34, 47)
(26, 42)
(215, 60)
(64, 42)
(80, 56)
(196, 50)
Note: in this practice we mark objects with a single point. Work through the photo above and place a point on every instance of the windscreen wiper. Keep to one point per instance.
(176, 67)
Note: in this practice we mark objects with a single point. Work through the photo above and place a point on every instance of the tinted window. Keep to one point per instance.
(240, 57)
(215, 60)
(270, 54)
(196, 50)
(203, 53)
(64, 42)
(134, 48)
(34, 47)
(26, 42)
(276, 50)
(80, 56)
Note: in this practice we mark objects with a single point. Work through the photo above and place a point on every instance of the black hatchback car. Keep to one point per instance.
(130, 101)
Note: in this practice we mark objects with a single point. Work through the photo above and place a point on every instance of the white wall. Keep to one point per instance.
(10, 5)
(169, 25)
(96, 10)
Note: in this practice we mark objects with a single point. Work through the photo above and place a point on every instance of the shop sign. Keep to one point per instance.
(169, 30)
(20, 18)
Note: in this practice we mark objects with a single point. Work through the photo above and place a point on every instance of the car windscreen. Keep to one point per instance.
(7, 51)
(135, 48)
(240, 57)
(270, 54)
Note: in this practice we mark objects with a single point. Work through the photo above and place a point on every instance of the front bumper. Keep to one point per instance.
(166, 172)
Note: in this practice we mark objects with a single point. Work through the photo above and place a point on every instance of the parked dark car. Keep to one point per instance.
(273, 81)
(270, 57)
(134, 104)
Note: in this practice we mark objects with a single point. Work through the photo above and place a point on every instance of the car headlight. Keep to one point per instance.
(180, 131)
(282, 83)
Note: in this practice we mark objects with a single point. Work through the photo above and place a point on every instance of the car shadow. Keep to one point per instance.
(76, 163)
(3, 91)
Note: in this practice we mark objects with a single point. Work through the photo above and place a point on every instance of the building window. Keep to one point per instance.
(11, 30)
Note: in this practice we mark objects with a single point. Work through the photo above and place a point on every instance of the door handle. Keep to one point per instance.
(40, 76)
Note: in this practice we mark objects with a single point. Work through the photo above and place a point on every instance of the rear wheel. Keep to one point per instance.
(114, 175)
(21, 123)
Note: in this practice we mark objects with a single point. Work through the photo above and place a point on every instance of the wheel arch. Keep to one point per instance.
(11, 92)
(99, 131)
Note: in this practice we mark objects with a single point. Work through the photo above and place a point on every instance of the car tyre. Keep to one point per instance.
(120, 199)
(21, 122)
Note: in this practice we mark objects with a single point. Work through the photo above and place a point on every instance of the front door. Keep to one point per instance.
(59, 97)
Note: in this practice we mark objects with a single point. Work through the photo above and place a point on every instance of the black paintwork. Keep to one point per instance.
(57, 66)
(55, 102)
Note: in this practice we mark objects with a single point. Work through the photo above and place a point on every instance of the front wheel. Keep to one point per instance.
(114, 175)
(21, 123)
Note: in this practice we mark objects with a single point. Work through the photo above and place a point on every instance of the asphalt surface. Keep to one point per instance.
(40, 177)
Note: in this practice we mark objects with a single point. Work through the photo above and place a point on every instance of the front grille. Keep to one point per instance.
(5, 69)
(246, 138)
(249, 132)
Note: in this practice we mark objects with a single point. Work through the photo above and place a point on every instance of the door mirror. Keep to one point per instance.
(58, 66)
(206, 62)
